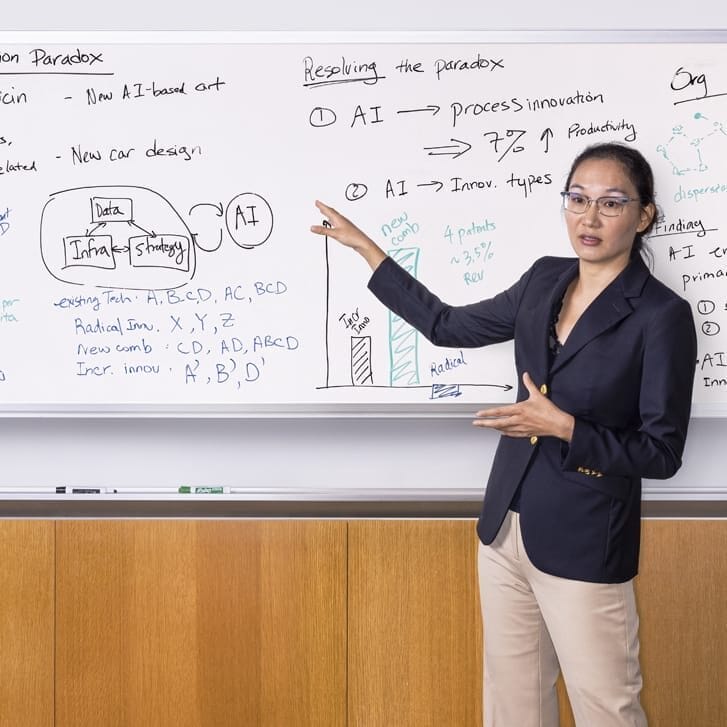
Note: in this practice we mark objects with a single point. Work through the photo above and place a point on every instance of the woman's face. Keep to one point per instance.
(596, 238)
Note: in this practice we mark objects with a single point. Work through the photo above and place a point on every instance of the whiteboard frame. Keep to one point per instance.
(718, 35)
(424, 410)
(348, 410)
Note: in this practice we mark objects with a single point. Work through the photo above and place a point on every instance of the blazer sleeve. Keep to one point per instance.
(467, 326)
(655, 448)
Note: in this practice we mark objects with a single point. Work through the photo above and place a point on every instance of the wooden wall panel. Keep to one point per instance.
(201, 623)
(26, 623)
(682, 597)
(243, 622)
(415, 639)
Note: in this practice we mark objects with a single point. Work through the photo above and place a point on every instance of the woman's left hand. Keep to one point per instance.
(534, 416)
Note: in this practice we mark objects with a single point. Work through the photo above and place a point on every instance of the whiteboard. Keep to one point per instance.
(156, 196)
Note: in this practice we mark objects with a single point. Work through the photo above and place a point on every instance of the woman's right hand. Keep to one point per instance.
(344, 231)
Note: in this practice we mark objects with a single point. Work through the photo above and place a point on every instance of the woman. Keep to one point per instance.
(606, 357)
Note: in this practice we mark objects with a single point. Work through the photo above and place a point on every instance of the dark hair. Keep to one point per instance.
(638, 171)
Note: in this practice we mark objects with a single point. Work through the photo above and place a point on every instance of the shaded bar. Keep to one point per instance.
(403, 338)
(361, 371)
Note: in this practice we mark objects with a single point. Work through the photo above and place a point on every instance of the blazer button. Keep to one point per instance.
(533, 439)
(544, 390)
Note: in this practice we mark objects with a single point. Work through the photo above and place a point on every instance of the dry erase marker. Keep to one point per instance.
(193, 490)
(84, 491)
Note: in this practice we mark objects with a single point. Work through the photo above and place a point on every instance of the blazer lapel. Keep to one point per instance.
(608, 309)
(542, 316)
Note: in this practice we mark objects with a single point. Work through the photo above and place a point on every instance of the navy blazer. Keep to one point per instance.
(625, 372)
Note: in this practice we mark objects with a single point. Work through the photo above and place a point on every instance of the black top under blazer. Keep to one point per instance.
(625, 372)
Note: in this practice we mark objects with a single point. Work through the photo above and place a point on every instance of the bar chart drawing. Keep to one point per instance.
(388, 358)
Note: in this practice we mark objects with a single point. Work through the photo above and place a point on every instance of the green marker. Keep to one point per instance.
(215, 490)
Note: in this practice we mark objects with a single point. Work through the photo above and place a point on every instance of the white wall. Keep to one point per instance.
(364, 15)
(319, 452)
(355, 454)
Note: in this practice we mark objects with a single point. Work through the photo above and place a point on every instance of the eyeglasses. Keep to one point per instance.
(607, 206)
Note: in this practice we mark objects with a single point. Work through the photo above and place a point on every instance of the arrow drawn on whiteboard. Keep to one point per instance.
(433, 183)
(131, 223)
(119, 250)
(218, 206)
(326, 223)
(432, 107)
(219, 209)
(454, 150)
(93, 230)
(546, 136)
(504, 387)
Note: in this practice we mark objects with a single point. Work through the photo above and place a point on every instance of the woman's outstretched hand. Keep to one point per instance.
(344, 231)
(534, 416)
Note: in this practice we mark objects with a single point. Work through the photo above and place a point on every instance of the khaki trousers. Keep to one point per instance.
(536, 624)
